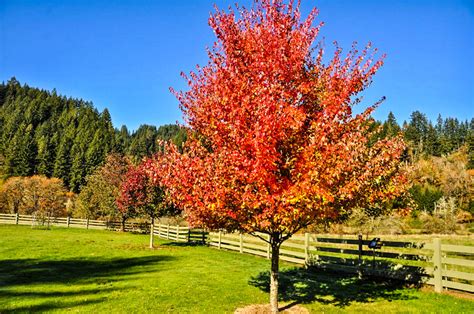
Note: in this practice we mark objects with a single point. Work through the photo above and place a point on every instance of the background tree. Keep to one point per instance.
(36, 195)
(11, 195)
(52, 197)
(390, 127)
(470, 149)
(97, 198)
(141, 193)
(415, 132)
(274, 145)
(435, 177)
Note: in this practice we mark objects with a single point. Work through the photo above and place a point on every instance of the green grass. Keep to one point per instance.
(102, 271)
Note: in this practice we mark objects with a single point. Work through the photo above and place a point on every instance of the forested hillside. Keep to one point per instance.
(44, 133)
(48, 134)
(424, 138)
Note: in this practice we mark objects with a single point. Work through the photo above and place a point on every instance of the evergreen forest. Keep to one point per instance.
(44, 133)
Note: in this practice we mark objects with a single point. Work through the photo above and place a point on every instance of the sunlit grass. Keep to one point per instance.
(102, 271)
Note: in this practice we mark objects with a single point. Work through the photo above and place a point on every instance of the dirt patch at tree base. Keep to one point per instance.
(265, 309)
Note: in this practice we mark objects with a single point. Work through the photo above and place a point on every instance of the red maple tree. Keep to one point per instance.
(142, 192)
(273, 144)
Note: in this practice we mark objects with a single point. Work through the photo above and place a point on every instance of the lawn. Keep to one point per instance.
(103, 271)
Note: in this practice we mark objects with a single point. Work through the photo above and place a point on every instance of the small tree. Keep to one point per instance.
(274, 145)
(97, 197)
(11, 195)
(38, 195)
(53, 196)
(142, 192)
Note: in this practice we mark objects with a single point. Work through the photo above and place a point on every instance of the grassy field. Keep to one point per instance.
(102, 271)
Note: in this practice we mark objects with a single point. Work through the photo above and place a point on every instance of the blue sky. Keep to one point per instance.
(124, 55)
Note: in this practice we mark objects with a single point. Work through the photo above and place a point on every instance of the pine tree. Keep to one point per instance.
(470, 149)
(390, 127)
(62, 164)
(122, 140)
(108, 139)
(432, 143)
(143, 142)
(77, 173)
(95, 153)
(21, 153)
(415, 132)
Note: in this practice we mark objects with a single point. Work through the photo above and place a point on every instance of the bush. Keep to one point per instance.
(444, 218)
(425, 196)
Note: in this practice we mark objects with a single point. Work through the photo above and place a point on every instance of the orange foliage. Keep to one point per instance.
(34, 195)
(273, 142)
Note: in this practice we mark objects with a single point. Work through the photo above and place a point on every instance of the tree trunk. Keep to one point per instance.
(274, 274)
(152, 228)
(123, 223)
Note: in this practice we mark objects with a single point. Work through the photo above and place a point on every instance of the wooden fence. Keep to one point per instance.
(444, 266)
(170, 232)
(71, 222)
(180, 233)
(441, 265)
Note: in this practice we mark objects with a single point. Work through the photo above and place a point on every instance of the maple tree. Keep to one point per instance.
(273, 143)
(142, 192)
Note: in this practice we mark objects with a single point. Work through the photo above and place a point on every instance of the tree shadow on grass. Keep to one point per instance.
(50, 306)
(36, 271)
(56, 294)
(307, 285)
(18, 278)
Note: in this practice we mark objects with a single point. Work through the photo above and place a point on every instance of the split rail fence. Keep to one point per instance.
(71, 222)
(441, 265)
(180, 233)
(445, 266)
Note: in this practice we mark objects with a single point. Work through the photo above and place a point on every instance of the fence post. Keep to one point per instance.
(177, 232)
(17, 218)
(68, 221)
(359, 263)
(189, 234)
(437, 263)
(87, 223)
(220, 239)
(168, 231)
(268, 248)
(241, 243)
(306, 247)
(152, 232)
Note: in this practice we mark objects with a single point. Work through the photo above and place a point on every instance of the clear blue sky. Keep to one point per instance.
(125, 55)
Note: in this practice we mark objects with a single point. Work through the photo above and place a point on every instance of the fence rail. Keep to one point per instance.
(180, 233)
(71, 222)
(444, 266)
(170, 232)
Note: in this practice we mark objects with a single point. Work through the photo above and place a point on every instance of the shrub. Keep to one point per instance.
(444, 218)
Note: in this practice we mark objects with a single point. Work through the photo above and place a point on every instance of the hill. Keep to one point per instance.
(44, 133)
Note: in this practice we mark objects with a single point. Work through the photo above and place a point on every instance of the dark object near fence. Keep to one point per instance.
(375, 244)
